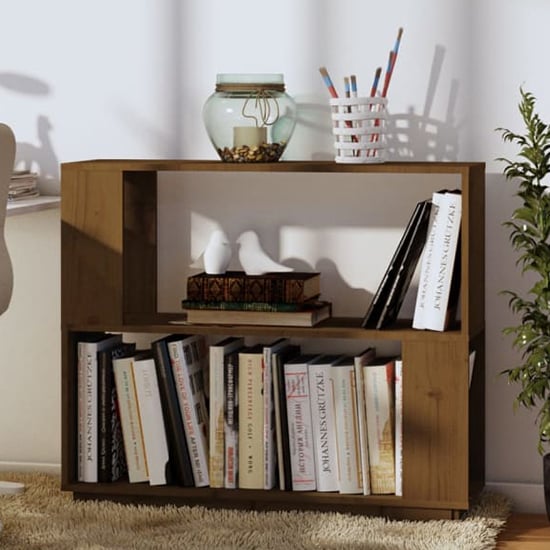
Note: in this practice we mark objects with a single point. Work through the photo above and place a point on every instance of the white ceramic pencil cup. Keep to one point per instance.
(359, 129)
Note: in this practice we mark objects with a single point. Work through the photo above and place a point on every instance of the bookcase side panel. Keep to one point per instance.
(435, 422)
(140, 244)
(473, 250)
(91, 241)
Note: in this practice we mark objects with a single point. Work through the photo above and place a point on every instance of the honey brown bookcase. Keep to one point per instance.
(109, 283)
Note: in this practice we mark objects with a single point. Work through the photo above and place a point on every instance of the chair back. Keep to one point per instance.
(7, 160)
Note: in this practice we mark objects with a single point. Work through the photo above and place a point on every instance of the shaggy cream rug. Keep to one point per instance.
(43, 517)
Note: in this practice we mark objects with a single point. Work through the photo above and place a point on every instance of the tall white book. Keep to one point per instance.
(151, 417)
(347, 426)
(323, 422)
(300, 434)
(379, 380)
(438, 261)
(132, 435)
(87, 381)
(217, 382)
(360, 360)
(188, 356)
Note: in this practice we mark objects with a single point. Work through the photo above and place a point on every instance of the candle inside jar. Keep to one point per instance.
(249, 135)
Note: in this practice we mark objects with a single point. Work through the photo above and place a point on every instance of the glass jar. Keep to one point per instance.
(250, 117)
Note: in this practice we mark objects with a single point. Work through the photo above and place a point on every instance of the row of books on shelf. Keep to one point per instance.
(238, 416)
(430, 242)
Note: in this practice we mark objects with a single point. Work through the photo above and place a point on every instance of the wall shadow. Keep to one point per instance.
(38, 157)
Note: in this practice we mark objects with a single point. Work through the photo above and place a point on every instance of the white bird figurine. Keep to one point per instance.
(253, 259)
(217, 254)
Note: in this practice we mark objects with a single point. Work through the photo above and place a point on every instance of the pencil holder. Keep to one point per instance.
(359, 129)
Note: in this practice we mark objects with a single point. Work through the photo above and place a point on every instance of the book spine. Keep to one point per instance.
(302, 459)
(323, 427)
(427, 262)
(104, 412)
(231, 422)
(129, 415)
(251, 451)
(216, 417)
(379, 397)
(177, 443)
(399, 427)
(189, 382)
(281, 415)
(347, 429)
(152, 421)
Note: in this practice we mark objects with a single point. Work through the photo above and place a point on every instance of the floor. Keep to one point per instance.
(525, 532)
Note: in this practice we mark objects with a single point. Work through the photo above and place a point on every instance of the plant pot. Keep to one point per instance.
(546, 480)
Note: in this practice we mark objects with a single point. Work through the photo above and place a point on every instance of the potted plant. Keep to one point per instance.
(529, 233)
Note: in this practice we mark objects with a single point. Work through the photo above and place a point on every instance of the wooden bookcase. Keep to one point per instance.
(109, 283)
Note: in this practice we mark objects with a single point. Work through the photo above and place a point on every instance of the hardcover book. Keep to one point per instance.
(324, 422)
(175, 431)
(347, 426)
(251, 418)
(379, 387)
(132, 435)
(151, 419)
(112, 459)
(236, 286)
(188, 355)
(435, 299)
(87, 380)
(278, 361)
(300, 429)
(231, 420)
(217, 383)
(307, 316)
(360, 360)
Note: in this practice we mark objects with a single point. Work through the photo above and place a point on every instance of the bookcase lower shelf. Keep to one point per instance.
(387, 505)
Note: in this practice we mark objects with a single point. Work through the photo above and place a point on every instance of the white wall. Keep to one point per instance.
(128, 79)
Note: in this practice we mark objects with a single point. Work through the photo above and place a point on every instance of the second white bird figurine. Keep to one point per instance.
(253, 259)
(217, 253)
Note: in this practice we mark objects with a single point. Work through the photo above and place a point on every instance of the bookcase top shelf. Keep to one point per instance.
(167, 165)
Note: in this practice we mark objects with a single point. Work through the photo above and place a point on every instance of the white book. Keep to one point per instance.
(188, 356)
(87, 379)
(270, 455)
(431, 310)
(152, 420)
(347, 426)
(399, 427)
(323, 422)
(132, 435)
(379, 379)
(217, 353)
(302, 453)
(360, 360)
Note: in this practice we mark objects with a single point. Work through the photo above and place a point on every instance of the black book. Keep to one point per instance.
(376, 308)
(180, 462)
(278, 360)
(406, 269)
(111, 457)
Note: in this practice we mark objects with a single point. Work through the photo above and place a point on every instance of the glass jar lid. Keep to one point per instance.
(226, 82)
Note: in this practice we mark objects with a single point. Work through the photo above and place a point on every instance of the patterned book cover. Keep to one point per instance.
(236, 286)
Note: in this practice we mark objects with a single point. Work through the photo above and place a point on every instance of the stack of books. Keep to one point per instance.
(23, 185)
(282, 298)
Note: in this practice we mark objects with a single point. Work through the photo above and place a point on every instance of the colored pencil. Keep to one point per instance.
(328, 82)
